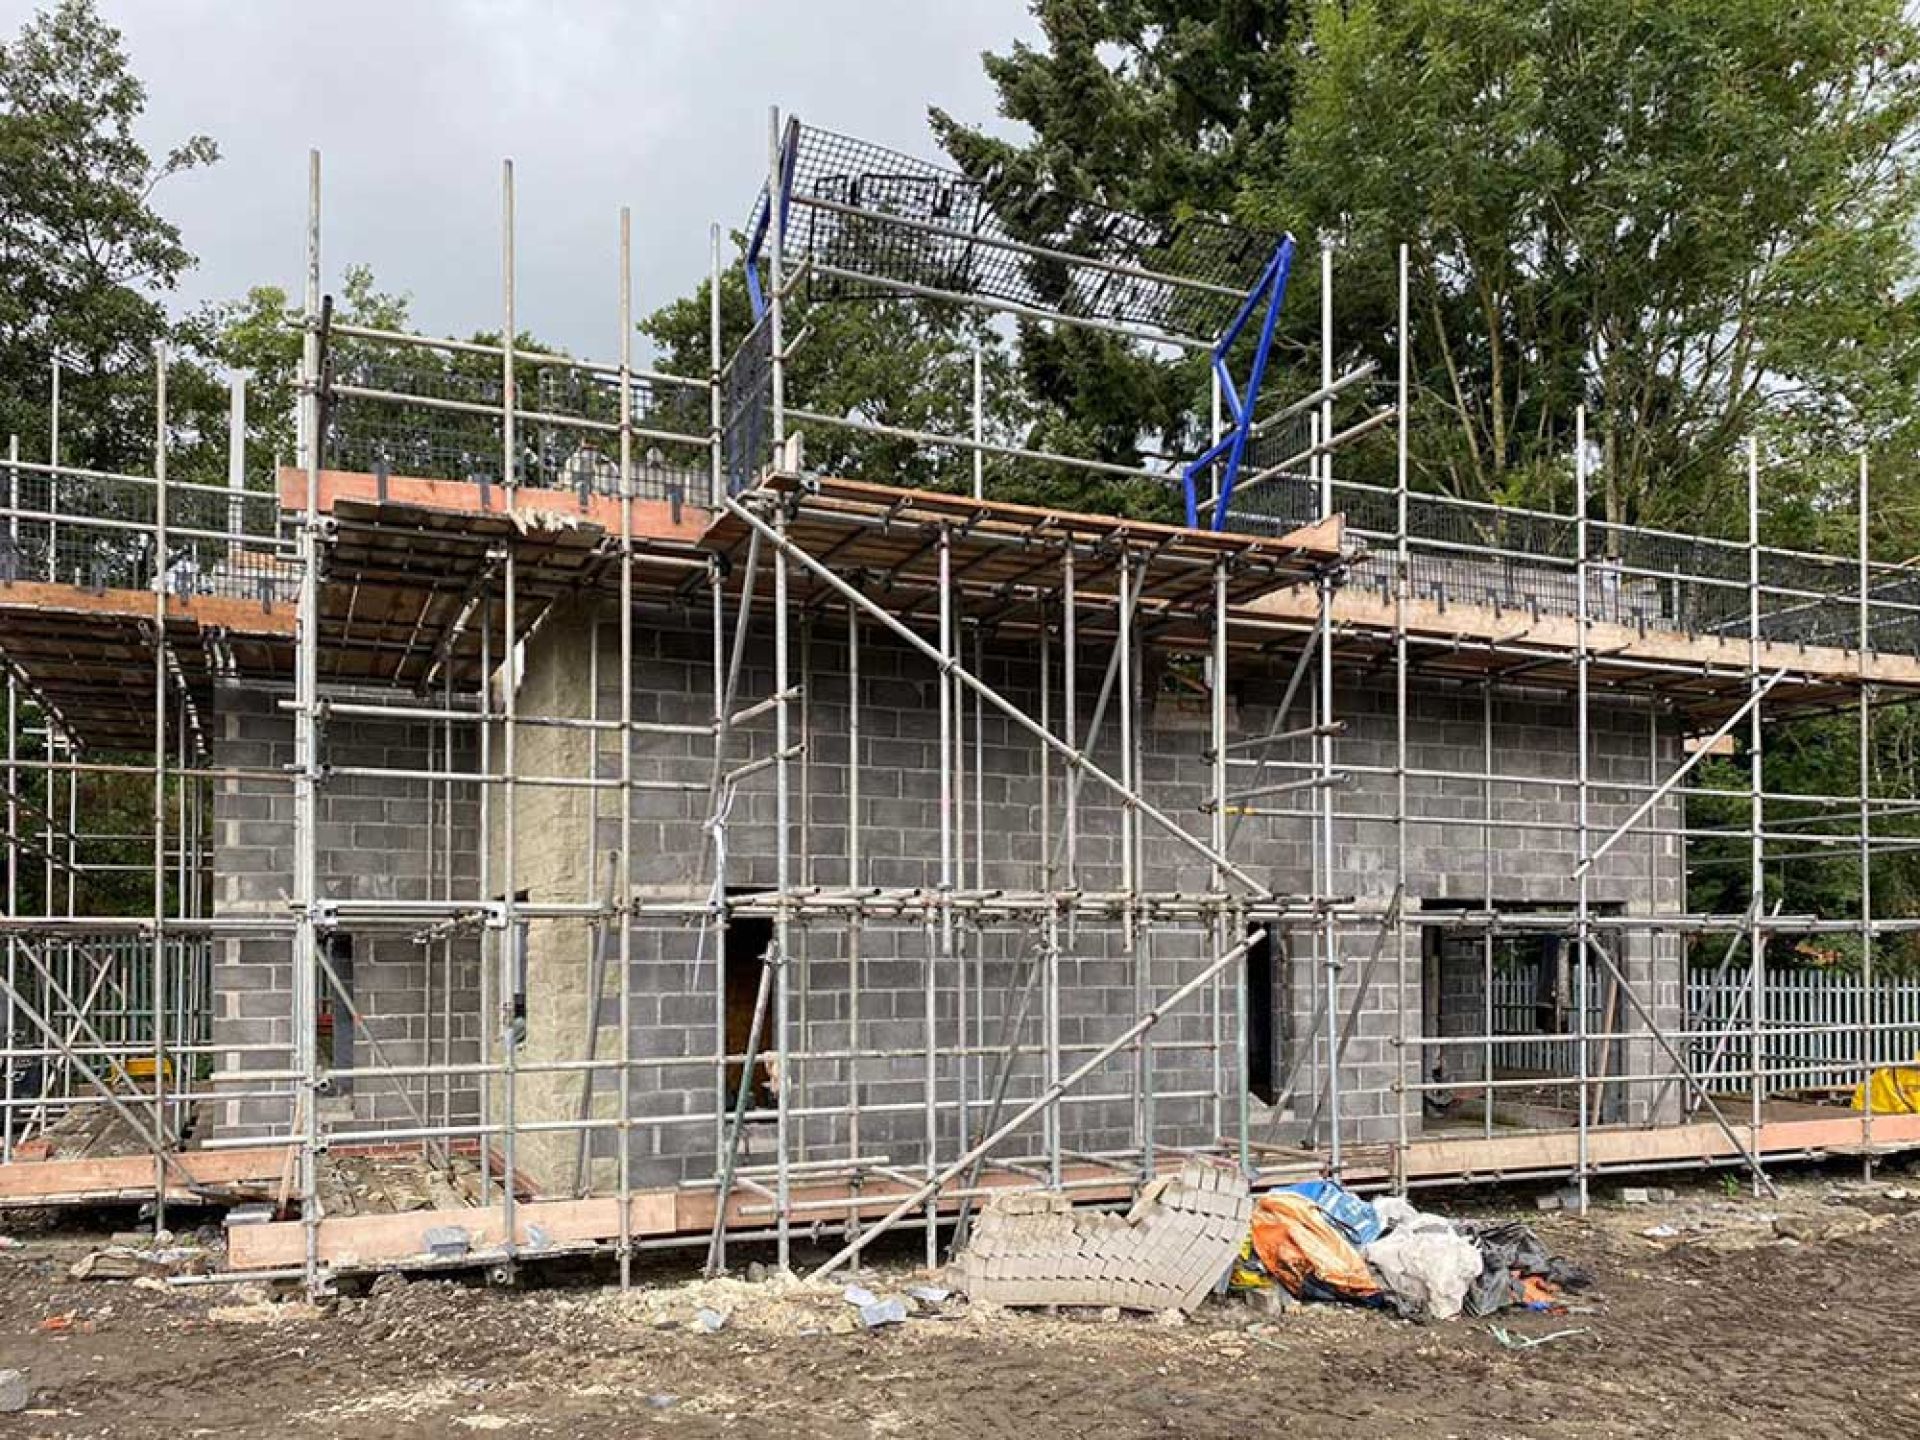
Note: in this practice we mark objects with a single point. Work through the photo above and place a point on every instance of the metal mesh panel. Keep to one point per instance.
(747, 437)
(388, 434)
(99, 535)
(873, 212)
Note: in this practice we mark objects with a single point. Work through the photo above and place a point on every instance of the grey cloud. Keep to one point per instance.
(661, 106)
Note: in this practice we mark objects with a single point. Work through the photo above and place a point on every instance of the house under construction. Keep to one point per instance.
(578, 824)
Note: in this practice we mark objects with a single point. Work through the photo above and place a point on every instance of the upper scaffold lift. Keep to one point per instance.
(858, 221)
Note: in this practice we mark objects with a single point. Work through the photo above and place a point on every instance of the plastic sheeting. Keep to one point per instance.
(1358, 1220)
(1896, 1091)
(1428, 1265)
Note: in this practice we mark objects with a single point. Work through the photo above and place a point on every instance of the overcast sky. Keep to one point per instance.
(656, 104)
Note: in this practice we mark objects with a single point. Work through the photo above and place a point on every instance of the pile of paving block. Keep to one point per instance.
(1168, 1252)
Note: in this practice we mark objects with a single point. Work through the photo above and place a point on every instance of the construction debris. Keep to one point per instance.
(1318, 1241)
(1425, 1262)
(1167, 1253)
(1295, 1242)
(13, 1392)
(1510, 1341)
(125, 1262)
(892, 1311)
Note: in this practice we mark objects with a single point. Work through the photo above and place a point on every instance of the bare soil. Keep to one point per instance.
(1754, 1318)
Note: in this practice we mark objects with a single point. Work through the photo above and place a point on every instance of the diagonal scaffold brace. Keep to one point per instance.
(1075, 757)
(1079, 762)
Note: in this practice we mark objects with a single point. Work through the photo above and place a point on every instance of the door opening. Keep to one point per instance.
(1261, 1080)
(749, 939)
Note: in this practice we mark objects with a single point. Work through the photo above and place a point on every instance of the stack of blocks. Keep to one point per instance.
(1167, 1253)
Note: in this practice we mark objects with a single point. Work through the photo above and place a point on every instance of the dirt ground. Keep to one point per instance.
(1733, 1317)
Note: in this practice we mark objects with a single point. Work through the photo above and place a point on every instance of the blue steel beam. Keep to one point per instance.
(1271, 290)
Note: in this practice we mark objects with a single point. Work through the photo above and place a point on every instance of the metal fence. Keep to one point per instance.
(1820, 1029)
(100, 531)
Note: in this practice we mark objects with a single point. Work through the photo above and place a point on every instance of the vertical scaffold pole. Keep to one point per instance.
(783, 901)
(1217, 1006)
(977, 950)
(1129, 878)
(512, 936)
(53, 479)
(1868, 1009)
(776, 288)
(979, 430)
(1217, 725)
(623, 896)
(1048, 881)
(1401, 582)
(783, 852)
(1488, 900)
(305, 741)
(940, 960)
(1070, 717)
(1756, 782)
(489, 987)
(162, 583)
(855, 871)
(716, 479)
(13, 835)
(1583, 917)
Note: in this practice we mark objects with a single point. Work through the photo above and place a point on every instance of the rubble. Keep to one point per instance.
(1834, 1225)
(125, 1262)
(883, 1312)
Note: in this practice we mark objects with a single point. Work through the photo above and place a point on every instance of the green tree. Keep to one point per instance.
(1158, 107)
(1695, 218)
(85, 258)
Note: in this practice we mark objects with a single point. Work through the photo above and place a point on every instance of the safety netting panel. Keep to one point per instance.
(866, 220)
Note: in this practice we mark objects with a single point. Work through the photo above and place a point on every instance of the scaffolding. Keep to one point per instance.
(530, 782)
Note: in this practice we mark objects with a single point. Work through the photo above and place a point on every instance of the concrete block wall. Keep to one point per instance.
(1532, 734)
(1102, 984)
(373, 843)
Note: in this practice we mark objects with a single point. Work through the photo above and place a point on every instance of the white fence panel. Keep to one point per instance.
(1822, 1029)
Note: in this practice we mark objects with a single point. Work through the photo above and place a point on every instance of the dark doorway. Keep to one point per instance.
(332, 1018)
(749, 938)
(1260, 1046)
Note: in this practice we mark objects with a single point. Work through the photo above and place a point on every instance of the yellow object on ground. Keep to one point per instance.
(140, 1067)
(1896, 1091)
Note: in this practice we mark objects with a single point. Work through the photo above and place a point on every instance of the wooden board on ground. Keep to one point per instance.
(371, 1240)
(43, 1182)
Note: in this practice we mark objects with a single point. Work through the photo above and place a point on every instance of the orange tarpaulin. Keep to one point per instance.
(1302, 1249)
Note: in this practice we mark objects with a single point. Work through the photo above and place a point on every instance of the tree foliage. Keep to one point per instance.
(86, 259)
(1694, 218)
